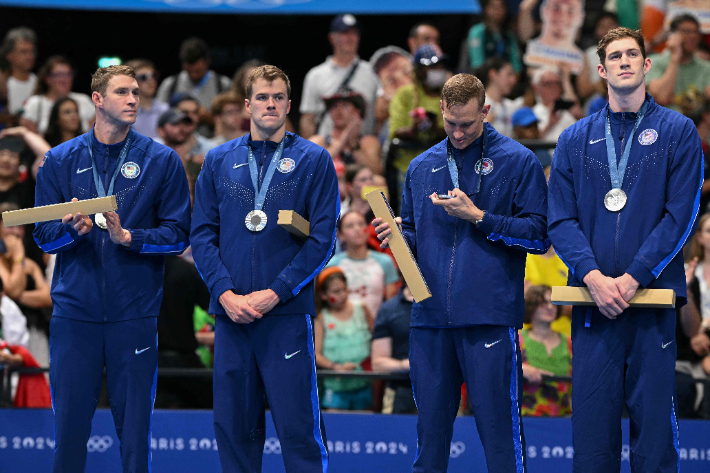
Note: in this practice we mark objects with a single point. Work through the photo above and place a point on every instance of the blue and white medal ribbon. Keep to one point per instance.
(256, 219)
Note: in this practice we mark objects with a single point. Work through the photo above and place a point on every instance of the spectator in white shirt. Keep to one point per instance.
(17, 59)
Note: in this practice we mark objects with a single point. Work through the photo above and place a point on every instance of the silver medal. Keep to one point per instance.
(100, 221)
(256, 220)
(615, 200)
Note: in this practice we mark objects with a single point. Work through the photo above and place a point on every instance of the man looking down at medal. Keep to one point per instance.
(624, 195)
(108, 278)
(261, 279)
(476, 239)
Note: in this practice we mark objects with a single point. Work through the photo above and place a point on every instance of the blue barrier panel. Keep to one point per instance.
(318, 7)
(183, 442)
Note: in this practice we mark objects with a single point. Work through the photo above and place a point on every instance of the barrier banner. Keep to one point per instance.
(312, 7)
(184, 442)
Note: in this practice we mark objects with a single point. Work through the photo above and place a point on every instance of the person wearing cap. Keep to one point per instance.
(346, 144)
(415, 114)
(108, 278)
(260, 279)
(525, 127)
(471, 248)
(624, 197)
(344, 70)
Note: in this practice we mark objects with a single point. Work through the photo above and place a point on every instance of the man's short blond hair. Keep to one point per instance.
(461, 88)
(269, 74)
(102, 76)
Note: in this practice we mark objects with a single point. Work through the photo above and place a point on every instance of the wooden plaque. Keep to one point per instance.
(658, 298)
(409, 267)
(294, 223)
(58, 211)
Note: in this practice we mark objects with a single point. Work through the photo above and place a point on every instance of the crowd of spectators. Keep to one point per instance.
(373, 117)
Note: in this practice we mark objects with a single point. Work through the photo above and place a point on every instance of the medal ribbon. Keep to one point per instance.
(617, 173)
(260, 194)
(454, 170)
(100, 190)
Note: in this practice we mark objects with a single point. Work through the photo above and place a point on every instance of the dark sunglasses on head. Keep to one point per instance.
(145, 77)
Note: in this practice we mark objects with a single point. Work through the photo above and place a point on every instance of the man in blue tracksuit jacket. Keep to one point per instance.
(471, 250)
(260, 278)
(618, 231)
(108, 283)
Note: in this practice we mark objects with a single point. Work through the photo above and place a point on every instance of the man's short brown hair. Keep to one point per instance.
(100, 78)
(616, 34)
(461, 88)
(225, 98)
(269, 74)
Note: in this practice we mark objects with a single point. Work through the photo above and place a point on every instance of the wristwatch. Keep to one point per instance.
(477, 222)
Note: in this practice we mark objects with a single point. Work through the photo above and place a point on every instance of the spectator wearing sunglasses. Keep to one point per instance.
(149, 109)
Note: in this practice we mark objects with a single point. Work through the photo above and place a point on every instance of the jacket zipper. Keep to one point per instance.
(451, 275)
(616, 246)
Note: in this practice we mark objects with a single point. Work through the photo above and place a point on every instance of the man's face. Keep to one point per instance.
(624, 68)
(22, 56)
(505, 79)
(342, 112)
(496, 11)
(197, 70)
(174, 135)
(562, 17)
(9, 163)
(549, 88)
(464, 123)
(426, 34)
(269, 104)
(346, 42)
(231, 117)
(121, 101)
(689, 36)
(395, 74)
(147, 81)
(192, 110)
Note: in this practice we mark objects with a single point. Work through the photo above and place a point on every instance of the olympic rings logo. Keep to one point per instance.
(457, 449)
(99, 444)
(272, 445)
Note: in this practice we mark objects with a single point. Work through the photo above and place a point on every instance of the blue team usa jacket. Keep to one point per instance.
(94, 279)
(231, 257)
(476, 274)
(663, 179)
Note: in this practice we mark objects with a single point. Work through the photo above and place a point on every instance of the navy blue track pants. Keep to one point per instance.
(631, 361)
(271, 357)
(487, 358)
(78, 352)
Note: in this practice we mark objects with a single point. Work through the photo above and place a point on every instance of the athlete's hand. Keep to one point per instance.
(116, 232)
(460, 206)
(263, 301)
(81, 223)
(605, 294)
(384, 231)
(237, 308)
(534, 375)
(627, 286)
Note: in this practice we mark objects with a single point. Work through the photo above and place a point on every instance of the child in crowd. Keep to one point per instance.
(544, 352)
(343, 330)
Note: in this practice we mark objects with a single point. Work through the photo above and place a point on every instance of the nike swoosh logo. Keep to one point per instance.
(438, 169)
(287, 357)
(666, 344)
(591, 142)
(239, 165)
(79, 171)
(138, 352)
(488, 345)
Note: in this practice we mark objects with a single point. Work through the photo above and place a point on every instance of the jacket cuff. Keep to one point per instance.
(137, 240)
(639, 272)
(489, 223)
(222, 285)
(584, 267)
(281, 290)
